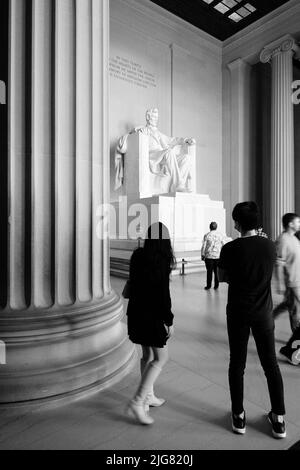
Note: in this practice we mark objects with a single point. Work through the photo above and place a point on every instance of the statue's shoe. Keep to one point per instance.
(181, 189)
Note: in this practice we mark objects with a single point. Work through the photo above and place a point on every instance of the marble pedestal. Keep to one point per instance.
(186, 215)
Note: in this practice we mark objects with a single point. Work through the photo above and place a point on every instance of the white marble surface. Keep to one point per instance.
(186, 215)
(139, 180)
(188, 88)
(194, 382)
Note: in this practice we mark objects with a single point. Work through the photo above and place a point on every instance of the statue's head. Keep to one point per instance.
(152, 117)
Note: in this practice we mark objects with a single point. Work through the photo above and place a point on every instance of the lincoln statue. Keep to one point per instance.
(167, 155)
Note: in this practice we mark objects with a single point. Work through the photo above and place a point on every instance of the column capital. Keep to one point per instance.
(284, 44)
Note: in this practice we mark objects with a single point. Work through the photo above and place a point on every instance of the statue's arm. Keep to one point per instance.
(190, 141)
(139, 130)
(182, 141)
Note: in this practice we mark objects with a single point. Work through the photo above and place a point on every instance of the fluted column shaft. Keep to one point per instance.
(60, 318)
(280, 55)
(239, 133)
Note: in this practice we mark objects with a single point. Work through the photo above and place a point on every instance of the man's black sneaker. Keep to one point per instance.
(206, 288)
(278, 426)
(238, 423)
(292, 355)
(286, 353)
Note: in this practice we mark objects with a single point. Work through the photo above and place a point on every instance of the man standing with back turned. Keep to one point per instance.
(247, 265)
(210, 253)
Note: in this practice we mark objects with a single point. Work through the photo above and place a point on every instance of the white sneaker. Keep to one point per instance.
(137, 411)
(155, 401)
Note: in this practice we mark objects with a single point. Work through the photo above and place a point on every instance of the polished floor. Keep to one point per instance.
(194, 383)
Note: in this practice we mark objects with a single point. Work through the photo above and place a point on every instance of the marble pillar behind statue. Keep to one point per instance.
(59, 319)
(282, 195)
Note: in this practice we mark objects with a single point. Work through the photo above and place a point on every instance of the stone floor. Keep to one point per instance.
(194, 383)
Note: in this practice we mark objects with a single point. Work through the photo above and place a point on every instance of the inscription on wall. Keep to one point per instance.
(131, 72)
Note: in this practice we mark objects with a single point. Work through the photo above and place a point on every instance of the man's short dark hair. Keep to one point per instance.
(213, 226)
(287, 218)
(246, 214)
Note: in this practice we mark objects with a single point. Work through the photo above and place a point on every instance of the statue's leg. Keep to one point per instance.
(174, 170)
(184, 166)
(179, 167)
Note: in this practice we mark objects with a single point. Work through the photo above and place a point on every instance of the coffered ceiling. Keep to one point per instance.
(220, 18)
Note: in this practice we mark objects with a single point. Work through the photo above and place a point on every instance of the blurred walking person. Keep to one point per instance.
(287, 275)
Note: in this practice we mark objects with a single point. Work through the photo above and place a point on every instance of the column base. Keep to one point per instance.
(63, 355)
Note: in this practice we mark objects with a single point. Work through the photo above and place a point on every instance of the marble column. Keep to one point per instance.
(239, 148)
(59, 319)
(280, 55)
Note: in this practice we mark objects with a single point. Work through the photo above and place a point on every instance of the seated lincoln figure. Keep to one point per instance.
(166, 154)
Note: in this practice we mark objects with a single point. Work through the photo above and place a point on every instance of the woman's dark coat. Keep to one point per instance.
(149, 306)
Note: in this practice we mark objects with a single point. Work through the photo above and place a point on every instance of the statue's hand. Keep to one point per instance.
(134, 130)
(139, 129)
(190, 141)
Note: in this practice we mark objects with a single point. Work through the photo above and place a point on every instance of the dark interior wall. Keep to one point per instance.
(260, 139)
(3, 146)
(297, 142)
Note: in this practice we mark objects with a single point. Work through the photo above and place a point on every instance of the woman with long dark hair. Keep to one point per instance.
(150, 319)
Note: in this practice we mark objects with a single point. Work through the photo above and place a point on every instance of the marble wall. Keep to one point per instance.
(158, 60)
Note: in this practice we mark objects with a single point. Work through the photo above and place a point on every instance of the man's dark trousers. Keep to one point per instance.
(263, 333)
(212, 267)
